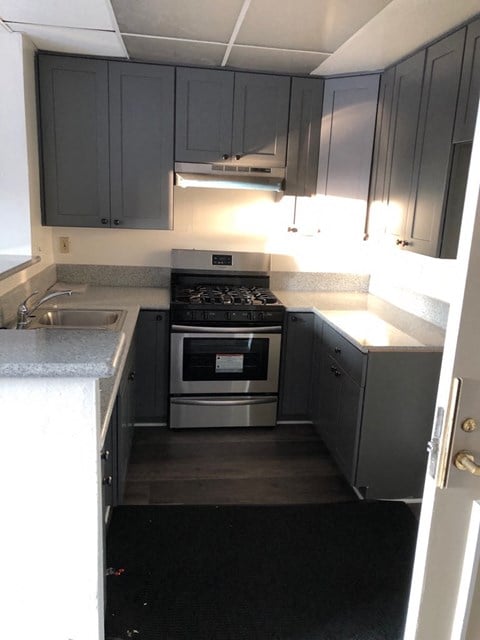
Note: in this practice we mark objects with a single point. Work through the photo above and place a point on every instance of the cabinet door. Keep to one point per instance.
(340, 408)
(125, 423)
(152, 366)
(469, 87)
(407, 94)
(304, 136)
(375, 225)
(141, 145)
(434, 144)
(73, 98)
(297, 360)
(204, 108)
(260, 120)
(346, 138)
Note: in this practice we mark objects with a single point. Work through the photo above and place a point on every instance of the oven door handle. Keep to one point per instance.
(184, 328)
(224, 403)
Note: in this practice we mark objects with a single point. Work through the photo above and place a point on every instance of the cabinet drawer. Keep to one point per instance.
(349, 357)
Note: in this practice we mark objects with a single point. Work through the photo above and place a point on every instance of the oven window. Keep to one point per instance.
(225, 358)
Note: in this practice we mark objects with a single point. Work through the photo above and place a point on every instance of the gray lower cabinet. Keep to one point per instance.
(375, 414)
(106, 131)
(226, 116)
(304, 136)
(108, 468)
(125, 421)
(469, 87)
(346, 138)
(115, 453)
(152, 367)
(295, 402)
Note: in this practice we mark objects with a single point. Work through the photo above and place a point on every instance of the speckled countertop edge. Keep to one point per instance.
(429, 335)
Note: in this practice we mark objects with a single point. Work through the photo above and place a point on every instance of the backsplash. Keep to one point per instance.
(308, 281)
(114, 276)
(423, 306)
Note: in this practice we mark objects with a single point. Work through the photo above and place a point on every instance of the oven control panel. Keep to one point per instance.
(230, 316)
(222, 260)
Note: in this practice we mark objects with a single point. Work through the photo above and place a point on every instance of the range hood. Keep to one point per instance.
(225, 176)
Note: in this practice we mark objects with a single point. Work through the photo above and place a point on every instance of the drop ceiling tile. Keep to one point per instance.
(274, 60)
(209, 20)
(88, 14)
(174, 51)
(308, 25)
(81, 41)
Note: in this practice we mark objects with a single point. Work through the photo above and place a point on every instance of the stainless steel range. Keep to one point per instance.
(225, 338)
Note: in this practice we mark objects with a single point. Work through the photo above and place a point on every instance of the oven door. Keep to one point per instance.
(224, 360)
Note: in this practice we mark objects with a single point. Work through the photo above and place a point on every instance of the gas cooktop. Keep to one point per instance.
(223, 295)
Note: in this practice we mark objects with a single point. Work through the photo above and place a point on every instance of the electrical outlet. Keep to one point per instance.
(64, 244)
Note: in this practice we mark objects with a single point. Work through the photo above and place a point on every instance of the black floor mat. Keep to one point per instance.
(321, 572)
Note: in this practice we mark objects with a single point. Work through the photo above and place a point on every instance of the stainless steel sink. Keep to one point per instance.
(78, 319)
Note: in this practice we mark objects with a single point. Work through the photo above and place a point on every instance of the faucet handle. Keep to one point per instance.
(34, 293)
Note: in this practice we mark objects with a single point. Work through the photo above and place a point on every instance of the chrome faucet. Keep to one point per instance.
(24, 313)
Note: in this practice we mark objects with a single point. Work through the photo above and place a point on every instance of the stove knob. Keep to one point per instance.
(227, 315)
(260, 315)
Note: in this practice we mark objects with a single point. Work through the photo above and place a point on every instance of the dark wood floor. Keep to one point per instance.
(285, 465)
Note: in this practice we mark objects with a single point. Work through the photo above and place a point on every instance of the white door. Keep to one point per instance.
(445, 593)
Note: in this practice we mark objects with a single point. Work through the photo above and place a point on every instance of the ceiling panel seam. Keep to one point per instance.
(236, 29)
(113, 18)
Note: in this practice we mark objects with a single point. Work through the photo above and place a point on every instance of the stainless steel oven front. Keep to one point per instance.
(224, 376)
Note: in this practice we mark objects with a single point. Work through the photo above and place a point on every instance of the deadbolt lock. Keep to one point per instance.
(470, 424)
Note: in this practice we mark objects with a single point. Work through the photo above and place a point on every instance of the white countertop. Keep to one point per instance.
(367, 321)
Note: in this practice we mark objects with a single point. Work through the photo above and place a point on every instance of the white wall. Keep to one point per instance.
(232, 220)
(20, 222)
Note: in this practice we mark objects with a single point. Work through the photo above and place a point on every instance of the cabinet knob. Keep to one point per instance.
(105, 455)
(107, 481)
(335, 371)
(131, 375)
(337, 350)
(293, 318)
(104, 221)
(238, 156)
(225, 156)
(159, 318)
(117, 222)
(405, 243)
(398, 242)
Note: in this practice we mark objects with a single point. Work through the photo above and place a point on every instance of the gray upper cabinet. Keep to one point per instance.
(260, 119)
(204, 111)
(382, 128)
(74, 133)
(434, 144)
(222, 116)
(346, 138)
(469, 87)
(304, 136)
(141, 145)
(400, 143)
(107, 143)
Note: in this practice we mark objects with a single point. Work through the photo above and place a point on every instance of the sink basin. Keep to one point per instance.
(78, 319)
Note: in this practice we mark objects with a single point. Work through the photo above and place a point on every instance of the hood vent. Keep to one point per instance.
(224, 176)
